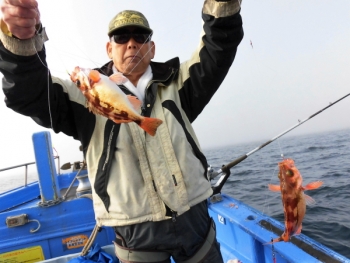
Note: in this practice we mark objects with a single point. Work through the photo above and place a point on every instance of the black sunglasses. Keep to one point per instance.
(125, 37)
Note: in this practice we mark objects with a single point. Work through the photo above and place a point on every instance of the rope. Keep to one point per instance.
(90, 241)
(75, 178)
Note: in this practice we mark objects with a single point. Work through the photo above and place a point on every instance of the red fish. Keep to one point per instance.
(104, 97)
(293, 198)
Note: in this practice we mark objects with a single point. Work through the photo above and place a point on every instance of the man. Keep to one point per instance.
(151, 189)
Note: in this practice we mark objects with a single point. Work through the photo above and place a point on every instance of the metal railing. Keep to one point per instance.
(17, 166)
(25, 165)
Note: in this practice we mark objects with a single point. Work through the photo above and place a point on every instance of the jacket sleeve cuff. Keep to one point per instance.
(221, 9)
(26, 47)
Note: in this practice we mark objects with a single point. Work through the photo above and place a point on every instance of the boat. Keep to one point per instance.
(52, 219)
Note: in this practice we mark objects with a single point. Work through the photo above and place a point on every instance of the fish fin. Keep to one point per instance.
(309, 200)
(313, 185)
(135, 102)
(274, 187)
(298, 230)
(118, 121)
(118, 78)
(150, 125)
(92, 109)
(94, 75)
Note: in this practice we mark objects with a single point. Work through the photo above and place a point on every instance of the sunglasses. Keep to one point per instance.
(125, 37)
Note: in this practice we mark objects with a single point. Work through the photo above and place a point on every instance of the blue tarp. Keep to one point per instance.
(96, 255)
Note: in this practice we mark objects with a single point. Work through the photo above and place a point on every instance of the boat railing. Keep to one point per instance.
(25, 165)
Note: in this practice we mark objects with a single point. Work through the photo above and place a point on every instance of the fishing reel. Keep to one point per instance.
(211, 174)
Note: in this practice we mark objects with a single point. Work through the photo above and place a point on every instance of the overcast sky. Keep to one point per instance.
(298, 62)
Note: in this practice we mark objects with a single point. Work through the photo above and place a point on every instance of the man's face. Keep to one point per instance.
(133, 56)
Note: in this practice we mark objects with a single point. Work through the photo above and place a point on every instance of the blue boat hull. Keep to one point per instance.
(54, 230)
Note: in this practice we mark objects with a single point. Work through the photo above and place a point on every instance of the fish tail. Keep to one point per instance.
(150, 125)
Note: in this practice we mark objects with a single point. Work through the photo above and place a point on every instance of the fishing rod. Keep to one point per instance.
(225, 169)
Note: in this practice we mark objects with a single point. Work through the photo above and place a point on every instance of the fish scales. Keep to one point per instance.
(104, 97)
(294, 199)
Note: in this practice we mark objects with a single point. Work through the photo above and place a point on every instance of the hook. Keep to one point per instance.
(32, 230)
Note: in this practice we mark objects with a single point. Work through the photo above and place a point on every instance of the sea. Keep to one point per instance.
(321, 156)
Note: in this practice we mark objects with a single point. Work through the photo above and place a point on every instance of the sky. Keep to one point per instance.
(293, 61)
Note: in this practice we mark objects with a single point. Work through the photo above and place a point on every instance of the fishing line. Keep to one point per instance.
(225, 170)
(267, 204)
(48, 79)
(74, 56)
(165, 33)
(141, 58)
(48, 70)
(138, 51)
(146, 41)
(88, 58)
(279, 146)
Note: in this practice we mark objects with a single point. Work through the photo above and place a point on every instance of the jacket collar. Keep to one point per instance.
(165, 72)
(162, 72)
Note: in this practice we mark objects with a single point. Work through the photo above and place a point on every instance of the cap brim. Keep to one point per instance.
(110, 33)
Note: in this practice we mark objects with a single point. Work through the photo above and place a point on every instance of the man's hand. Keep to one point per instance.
(21, 17)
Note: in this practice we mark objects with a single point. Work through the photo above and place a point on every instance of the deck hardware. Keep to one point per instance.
(250, 218)
(84, 186)
(89, 196)
(25, 165)
(32, 230)
(215, 198)
(75, 178)
(50, 202)
(20, 220)
(76, 166)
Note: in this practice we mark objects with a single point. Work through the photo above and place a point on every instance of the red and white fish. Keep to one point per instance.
(293, 198)
(104, 97)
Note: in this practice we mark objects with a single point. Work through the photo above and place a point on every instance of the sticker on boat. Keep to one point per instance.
(28, 255)
(74, 242)
(221, 219)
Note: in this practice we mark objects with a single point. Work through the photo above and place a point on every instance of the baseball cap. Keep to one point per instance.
(128, 18)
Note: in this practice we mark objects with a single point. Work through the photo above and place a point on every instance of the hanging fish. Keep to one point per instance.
(105, 98)
(293, 198)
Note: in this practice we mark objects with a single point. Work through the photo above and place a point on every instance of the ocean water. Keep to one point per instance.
(324, 156)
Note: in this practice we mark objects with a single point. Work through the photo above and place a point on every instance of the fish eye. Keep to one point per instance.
(290, 173)
(78, 83)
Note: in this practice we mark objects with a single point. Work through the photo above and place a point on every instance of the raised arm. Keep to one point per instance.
(202, 75)
(27, 84)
